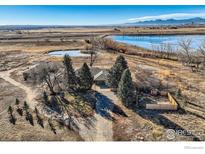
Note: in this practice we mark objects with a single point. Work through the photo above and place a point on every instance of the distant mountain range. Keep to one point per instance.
(191, 21)
(157, 22)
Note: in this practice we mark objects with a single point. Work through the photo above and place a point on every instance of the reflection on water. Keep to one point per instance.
(71, 53)
(154, 42)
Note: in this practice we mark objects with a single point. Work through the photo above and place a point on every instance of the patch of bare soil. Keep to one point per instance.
(12, 59)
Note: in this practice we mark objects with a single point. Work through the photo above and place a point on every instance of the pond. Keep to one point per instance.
(71, 53)
(155, 42)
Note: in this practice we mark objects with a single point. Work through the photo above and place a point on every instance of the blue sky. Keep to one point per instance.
(93, 15)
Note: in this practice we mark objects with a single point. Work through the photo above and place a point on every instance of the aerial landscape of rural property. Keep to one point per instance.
(67, 74)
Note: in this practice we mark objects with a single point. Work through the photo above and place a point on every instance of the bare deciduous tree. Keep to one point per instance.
(93, 50)
(185, 50)
(201, 49)
(188, 55)
(163, 51)
(96, 45)
(169, 50)
(48, 73)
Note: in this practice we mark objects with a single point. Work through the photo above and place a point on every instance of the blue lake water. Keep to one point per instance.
(154, 41)
(71, 53)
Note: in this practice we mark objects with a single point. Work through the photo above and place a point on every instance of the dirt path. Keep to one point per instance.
(100, 126)
(103, 116)
(30, 93)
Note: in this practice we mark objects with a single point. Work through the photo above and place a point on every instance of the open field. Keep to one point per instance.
(20, 51)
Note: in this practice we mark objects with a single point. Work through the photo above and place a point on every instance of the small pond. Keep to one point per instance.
(71, 53)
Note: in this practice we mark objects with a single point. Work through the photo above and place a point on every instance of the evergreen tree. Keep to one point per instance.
(70, 77)
(17, 101)
(121, 60)
(126, 90)
(10, 110)
(25, 106)
(12, 119)
(114, 75)
(116, 71)
(85, 77)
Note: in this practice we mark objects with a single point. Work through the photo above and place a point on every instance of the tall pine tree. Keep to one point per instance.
(70, 77)
(85, 77)
(126, 90)
(121, 60)
(116, 71)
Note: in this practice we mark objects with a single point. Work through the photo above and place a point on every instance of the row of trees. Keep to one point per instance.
(98, 43)
(184, 52)
(120, 80)
(83, 80)
(24, 110)
(94, 45)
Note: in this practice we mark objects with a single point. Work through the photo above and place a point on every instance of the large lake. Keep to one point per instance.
(155, 41)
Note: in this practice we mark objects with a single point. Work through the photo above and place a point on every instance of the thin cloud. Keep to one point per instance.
(169, 16)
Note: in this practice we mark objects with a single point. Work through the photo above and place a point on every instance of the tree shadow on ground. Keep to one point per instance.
(156, 117)
(197, 115)
(12, 119)
(29, 118)
(90, 122)
(65, 101)
(40, 121)
(71, 124)
(104, 106)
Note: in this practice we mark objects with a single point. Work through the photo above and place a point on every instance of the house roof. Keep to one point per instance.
(98, 73)
(101, 76)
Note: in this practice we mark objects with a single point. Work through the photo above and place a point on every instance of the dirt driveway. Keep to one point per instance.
(102, 121)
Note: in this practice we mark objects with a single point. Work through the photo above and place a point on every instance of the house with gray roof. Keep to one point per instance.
(100, 76)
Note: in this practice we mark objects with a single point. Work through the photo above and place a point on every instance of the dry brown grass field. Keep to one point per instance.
(19, 51)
